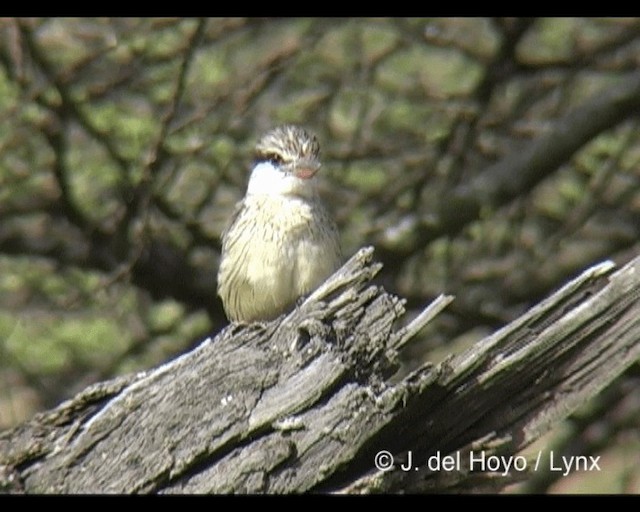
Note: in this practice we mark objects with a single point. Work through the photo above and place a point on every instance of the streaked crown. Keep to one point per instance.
(286, 145)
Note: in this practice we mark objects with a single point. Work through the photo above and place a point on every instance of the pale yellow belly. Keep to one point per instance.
(272, 263)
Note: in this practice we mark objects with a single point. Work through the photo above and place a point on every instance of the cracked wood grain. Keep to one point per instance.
(303, 403)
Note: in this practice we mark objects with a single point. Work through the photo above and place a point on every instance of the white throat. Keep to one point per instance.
(266, 179)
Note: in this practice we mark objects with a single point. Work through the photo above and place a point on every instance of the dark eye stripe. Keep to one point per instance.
(274, 157)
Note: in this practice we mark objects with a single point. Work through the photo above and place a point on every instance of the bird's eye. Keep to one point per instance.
(274, 158)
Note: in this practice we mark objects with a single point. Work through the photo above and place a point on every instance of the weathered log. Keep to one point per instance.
(308, 402)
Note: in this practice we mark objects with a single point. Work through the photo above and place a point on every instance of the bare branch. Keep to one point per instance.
(305, 402)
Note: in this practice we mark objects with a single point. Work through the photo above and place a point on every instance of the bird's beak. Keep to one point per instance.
(306, 169)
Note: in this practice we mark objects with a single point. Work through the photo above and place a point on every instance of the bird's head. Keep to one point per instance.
(286, 162)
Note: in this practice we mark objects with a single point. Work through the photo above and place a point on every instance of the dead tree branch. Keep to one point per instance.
(304, 403)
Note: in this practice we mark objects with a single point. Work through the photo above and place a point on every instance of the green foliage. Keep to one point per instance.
(48, 345)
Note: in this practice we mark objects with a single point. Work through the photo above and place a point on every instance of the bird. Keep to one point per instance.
(280, 243)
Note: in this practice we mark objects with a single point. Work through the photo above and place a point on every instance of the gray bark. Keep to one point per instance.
(304, 403)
